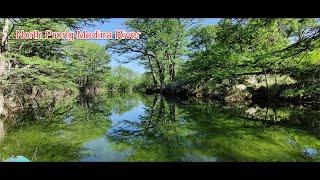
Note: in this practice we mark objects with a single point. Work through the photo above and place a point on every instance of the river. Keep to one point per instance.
(116, 127)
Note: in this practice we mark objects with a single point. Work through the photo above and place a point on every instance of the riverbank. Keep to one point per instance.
(279, 88)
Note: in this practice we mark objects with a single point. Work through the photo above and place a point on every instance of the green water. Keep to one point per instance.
(137, 127)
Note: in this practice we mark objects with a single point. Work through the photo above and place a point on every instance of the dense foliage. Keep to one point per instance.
(279, 56)
(54, 92)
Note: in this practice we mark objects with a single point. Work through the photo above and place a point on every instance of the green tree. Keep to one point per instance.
(88, 62)
(160, 49)
(122, 79)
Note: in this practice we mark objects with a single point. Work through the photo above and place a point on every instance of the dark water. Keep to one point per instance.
(136, 127)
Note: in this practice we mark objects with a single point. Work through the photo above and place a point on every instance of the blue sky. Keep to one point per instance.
(118, 23)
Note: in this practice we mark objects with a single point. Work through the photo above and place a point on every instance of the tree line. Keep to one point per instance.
(183, 51)
(176, 52)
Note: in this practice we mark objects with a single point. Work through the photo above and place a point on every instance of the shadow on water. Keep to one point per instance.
(138, 127)
(171, 130)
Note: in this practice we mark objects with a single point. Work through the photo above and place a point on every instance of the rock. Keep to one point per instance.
(252, 110)
(238, 93)
(251, 80)
(240, 87)
(310, 152)
(226, 82)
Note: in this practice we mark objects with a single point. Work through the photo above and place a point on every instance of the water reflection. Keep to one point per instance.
(300, 117)
(101, 150)
(136, 127)
(175, 131)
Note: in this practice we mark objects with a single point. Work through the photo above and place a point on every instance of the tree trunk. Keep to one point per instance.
(161, 75)
(155, 82)
(4, 38)
(4, 41)
(267, 86)
(172, 63)
(172, 72)
(161, 108)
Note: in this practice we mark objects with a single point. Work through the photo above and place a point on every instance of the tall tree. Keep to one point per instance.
(161, 46)
(88, 62)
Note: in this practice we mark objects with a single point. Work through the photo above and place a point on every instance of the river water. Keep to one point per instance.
(138, 127)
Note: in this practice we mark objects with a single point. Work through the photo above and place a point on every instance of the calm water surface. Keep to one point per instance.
(137, 127)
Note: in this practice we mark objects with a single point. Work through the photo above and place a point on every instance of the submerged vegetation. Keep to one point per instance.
(244, 89)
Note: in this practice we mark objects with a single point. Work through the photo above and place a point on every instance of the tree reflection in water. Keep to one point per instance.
(176, 131)
(136, 127)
